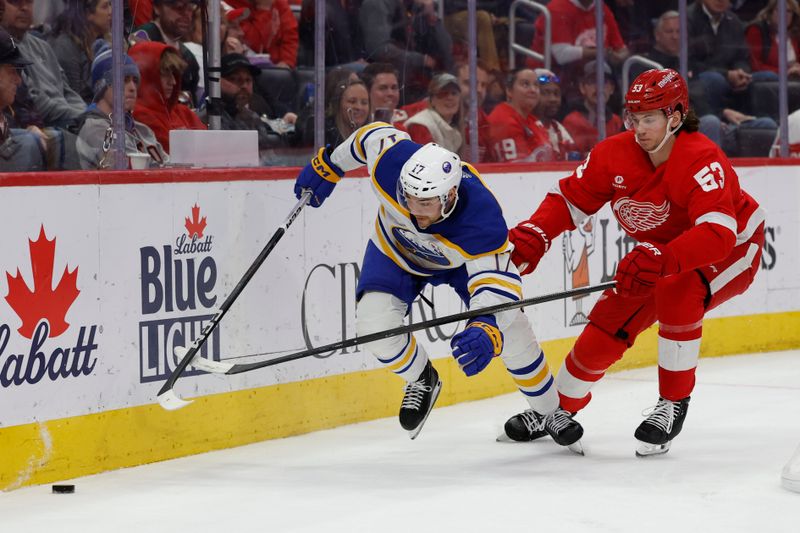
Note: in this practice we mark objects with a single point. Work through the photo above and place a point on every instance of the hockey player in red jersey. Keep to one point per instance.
(700, 238)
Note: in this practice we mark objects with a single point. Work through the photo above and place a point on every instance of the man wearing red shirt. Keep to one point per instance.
(700, 236)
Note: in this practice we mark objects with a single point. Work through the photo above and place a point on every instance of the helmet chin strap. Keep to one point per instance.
(444, 206)
(667, 134)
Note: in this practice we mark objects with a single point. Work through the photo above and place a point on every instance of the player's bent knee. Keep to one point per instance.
(379, 311)
(519, 342)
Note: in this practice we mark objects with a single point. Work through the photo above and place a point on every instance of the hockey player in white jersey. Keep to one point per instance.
(437, 224)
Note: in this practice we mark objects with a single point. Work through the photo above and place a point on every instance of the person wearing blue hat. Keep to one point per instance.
(94, 138)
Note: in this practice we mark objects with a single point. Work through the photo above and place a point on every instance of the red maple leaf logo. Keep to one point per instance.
(42, 303)
(195, 226)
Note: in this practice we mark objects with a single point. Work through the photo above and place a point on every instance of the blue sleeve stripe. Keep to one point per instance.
(366, 136)
(509, 295)
(501, 272)
(530, 368)
(355, 155)
(540, 391)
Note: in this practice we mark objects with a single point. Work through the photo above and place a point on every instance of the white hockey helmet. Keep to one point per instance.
(430, 173)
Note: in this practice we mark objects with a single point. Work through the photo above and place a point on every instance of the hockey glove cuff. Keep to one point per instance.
(639, 271)
(320, 176)
(475, 347)
(530, 245)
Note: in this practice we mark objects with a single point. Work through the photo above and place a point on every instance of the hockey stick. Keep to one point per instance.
(219, 367)
(166, 396)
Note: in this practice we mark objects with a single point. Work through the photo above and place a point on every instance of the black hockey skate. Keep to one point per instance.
(530, 425)
(418, 400)
(663, 423)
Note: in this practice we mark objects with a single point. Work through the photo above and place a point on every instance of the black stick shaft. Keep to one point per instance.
(410, 328)
(198, 343)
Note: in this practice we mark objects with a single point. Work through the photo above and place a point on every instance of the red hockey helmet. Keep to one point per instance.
(658, 89)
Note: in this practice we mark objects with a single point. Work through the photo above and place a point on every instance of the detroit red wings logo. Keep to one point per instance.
(640, 216)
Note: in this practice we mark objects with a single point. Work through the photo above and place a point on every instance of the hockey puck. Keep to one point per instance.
(63, 489)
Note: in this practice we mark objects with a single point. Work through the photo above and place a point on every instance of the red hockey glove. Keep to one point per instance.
(638, 271)
(530, 244)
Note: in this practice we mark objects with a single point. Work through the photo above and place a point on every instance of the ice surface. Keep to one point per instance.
(721, 475)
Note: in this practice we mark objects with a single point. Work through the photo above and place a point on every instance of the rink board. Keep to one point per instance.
(104, 278)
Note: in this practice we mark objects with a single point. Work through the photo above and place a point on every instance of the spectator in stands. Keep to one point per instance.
(383, 86)
(574, 39)
(414, 41)
(346, 107)
(442, 122)
(635, 20)
(72, 38)
(336, 79)
(484, 128)
(718, 53)
(548, 108)
(55, 101)
(161, 68)
(20, 150)
(245, 110)
(516, 134)
(270, 28)
(762, 38)
(94, 138)
(343, 42)
(456, 19)
(582, 122)
(173, 24)
(142, 11)
(233, 41)
(720, 125)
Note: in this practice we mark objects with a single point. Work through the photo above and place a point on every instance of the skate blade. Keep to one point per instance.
(790, 484)
(645, 449)
(414, 432)
(576, 447)
(502, 437)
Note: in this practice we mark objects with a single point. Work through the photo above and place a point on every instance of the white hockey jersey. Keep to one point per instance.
(475, 235)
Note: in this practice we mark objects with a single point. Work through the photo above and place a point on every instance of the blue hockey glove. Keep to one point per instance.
(475, 347)
(321, 176)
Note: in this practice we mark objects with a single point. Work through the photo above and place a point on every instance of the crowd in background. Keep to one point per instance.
(399, 61)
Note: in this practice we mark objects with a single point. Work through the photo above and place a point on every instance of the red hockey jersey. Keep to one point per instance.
(514, 138)
(696, 184)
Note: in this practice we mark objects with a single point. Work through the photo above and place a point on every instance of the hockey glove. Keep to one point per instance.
(321, 176)
(639, 271)
(530, 244)
(474, 347)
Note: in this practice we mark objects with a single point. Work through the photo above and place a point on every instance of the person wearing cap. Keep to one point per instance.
(698, 239)
(172, 24)
(442, 122)
(20, 150)
(516, 134)
(57, 103)
(94, 137)
(242, 109)
(547, 110)
(582, 122)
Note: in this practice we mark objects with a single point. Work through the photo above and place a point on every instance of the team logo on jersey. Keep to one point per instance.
(640, 216)
(419, 249)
